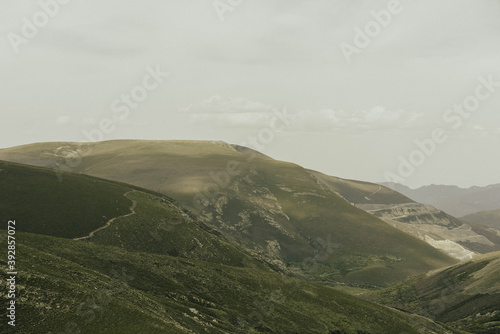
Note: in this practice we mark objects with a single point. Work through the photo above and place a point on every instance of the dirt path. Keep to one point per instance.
(369, 196)
(132, 212)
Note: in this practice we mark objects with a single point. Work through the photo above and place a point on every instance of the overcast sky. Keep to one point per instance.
(354, 114)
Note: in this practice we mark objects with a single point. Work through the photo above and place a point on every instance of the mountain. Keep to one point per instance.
(459, 239)
(456, 201)
(490, 218)
(98, 256)
(275, 210)
(465, 296)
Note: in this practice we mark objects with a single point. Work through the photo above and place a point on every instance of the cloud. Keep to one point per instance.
(375, 118)
(224, 112)
(63, 120)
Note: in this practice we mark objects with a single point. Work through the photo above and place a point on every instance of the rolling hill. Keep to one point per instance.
(466, 295)
(68, 286)
(114, 258)
(82, 206)
(275, 210)
(489, 219)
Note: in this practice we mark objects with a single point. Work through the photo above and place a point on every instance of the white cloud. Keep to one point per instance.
(375, 118)
(63, 120)
(224, 112)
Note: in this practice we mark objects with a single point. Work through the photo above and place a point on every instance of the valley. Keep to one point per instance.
(192, 237)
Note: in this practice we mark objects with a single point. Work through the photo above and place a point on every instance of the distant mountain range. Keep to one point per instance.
(453, 200)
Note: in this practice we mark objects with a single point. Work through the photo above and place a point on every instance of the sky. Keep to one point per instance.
(405, 91)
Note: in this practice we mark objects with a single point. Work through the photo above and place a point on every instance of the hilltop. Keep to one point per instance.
(275, 209)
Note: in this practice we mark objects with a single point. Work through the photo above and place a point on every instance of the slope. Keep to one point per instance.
(466, 296)
(112, 213)
(68, 286)
(458, 239)
(274, 209)
(489, 218)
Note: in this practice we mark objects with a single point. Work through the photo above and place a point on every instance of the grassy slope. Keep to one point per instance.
(80, 204)
(80, 287)
(359, 192)
(466, 295)
(271, 207)
(41, 204)
(487, 218)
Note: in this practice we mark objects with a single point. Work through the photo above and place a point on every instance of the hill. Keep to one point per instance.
(487, 218)
(69, 286)
(466, 296)
(275, 210)
(108, 213)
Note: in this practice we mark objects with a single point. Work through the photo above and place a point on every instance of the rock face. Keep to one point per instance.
(456, 238)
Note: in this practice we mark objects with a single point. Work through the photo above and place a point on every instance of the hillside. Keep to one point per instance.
(456, 201)
(274, 209)
(466, 296)
(459, 239)
(487, 218)
(82, 205)
(69, 286)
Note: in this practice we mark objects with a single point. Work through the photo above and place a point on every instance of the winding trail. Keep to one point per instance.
(108, 223)
(369, 196)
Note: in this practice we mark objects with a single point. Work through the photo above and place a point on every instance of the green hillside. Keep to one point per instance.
(274, 209)
(68, 286)
(68, 209)
(82, 205)
(360, 192)
(466, 295)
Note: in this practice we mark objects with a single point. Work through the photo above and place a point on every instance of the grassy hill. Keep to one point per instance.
(82, 204)
(489, 218)
(360, 192)
(466, 295)
(277, 211)
(68, 286)
(67, 209)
